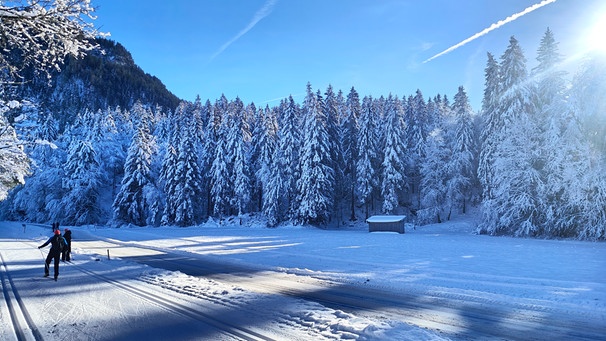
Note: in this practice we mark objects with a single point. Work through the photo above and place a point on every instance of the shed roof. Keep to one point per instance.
(385, 218)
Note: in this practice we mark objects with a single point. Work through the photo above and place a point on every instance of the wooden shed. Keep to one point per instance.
(390, 223)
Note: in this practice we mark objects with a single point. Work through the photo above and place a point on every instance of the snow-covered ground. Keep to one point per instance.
(436, 282)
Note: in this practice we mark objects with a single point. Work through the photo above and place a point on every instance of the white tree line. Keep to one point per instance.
(533, 157)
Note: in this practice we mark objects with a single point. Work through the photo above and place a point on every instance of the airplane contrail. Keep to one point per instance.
(261, 13)
(492, 27)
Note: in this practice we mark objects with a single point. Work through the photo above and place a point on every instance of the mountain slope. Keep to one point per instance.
(107, 77)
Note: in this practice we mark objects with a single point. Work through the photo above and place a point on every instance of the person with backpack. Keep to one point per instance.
(58, 243)
(66, 254)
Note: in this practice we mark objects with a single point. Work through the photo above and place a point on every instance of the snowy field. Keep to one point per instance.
(438, 282)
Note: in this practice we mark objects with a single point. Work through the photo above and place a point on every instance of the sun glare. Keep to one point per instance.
(596, 34)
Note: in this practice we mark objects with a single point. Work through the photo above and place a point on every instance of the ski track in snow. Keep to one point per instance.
(288, 293)
(93, 305)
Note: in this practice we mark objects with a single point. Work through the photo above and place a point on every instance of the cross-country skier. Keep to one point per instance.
(57, 244)
(66, 254)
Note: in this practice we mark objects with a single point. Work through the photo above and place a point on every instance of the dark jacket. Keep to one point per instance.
(54, 241)
(68, 236)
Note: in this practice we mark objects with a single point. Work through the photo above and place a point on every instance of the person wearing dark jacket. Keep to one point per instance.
(66, 254)
(54, 253)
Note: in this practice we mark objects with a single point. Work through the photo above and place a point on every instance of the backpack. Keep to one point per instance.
(60, 243)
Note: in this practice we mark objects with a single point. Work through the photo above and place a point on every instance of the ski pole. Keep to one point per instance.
(46, 266)
(43, 255)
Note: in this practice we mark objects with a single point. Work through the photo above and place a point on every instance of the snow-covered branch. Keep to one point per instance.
(42, 33)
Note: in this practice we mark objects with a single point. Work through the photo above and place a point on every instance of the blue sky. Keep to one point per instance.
(263, 50)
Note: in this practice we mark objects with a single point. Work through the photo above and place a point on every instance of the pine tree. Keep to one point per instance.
(168, 172)
(515, 206)
(211, 139)
(188, 176)
(264, 143)
(82, 170)
(332, 108)
(220, 174)
(416, 134)
(492, 123)
(275, 202)
(393, 178)
(316, 184)
(48, 130)
(257, 166)
(551, 114)
(237, 148)
(289, 145)
(131, 205)
(434, 177)
(366, 162)
(461, 166)
(350, 146)
(112, 144)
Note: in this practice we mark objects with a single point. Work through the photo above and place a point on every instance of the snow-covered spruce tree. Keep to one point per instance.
(205, 115)
(198, 119)
(552, 116)
(200, 115)
(463, 152)
(181, 175)
(216, 115)
(132, 205)
(188, 177)
(238, 139)
(265, 143)
(438, 116)
(316, 184)
(550, 80)
(83, 174)
(257, 134)
(416, 133)
(161, 136)
(516, 205)
(333, 108)
(366, 161)
(275, 198)
(349, 138)
(439, 113)
(491, 124)
(289, 141)
(434, 176)
(221, 170)
(168, 172)
(48, 130)
(379, 106)
(111, 147)
(394, 158)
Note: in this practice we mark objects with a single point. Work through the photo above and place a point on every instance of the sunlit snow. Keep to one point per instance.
(546, 279)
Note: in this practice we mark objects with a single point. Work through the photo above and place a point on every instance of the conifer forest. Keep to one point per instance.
(101, 150)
